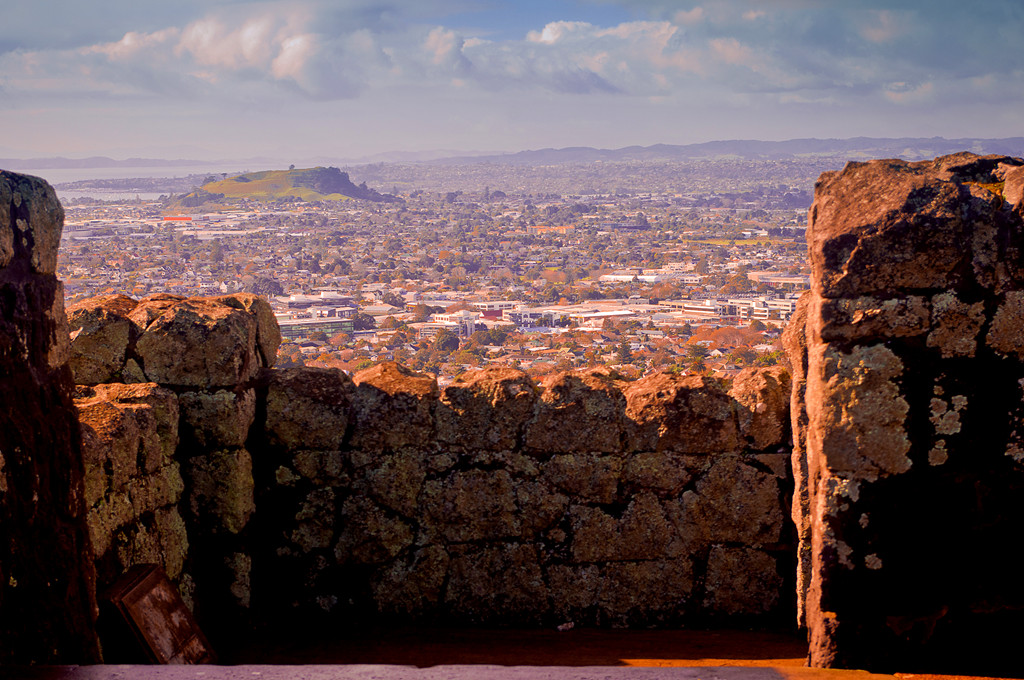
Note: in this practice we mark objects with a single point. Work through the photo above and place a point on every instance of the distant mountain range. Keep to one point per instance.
(856, 148)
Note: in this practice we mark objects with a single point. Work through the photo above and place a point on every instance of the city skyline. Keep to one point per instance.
(362, 77)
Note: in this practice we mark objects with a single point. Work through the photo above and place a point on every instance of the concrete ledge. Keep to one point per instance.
(464, 672)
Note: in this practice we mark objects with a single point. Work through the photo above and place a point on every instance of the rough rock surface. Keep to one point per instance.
(197, 342)
(685, 414)
(308, 495)
(404, 400)
(307, 408)
(132, 480)
(101, 335)
(384, 495)
(47, 577)
(204, 343)
(907, 364)
(220, 419)
(592, 401)
(487, 410)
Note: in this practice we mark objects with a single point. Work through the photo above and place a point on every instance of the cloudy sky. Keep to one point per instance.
(346, 78)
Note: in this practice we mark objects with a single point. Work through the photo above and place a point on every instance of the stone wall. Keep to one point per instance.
(47, 579)
(310, 496)
(133, 481)
(184, 399)
(908, 359)
(498, 501)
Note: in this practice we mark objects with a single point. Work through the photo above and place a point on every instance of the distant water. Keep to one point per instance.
(59, 175)
(66, 196)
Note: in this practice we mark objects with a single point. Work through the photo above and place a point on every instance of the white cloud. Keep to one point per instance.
(904, 93)
(732, 52)
(882, 26)
(559, 30)
(443, 45)
(246, 58)
(133, 43)
(689, 17)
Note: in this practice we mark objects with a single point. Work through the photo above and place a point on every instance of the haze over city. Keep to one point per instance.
(349, 79)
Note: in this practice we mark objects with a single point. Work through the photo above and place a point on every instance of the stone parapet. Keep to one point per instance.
(499, 501)
(907, 414)
(311, 495)
(47, 577)
(133, 482)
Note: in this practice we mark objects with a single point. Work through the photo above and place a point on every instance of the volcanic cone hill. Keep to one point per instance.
(309, 184)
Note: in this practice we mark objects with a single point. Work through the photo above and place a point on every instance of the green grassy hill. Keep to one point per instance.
(309, 184)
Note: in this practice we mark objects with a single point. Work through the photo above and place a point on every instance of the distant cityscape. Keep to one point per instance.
(447, 282)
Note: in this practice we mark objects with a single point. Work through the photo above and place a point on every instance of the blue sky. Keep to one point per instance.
(348, 78)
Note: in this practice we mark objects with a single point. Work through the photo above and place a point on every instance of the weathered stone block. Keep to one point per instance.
(955, 325)
(397, 481)
(741, 582)
(1006, 334)
(221, 490)
(592, 401)
(856, 412)
(889, 226)
(268, 333)
(195, 342)
(734, 502)
(660, 471)
(132, 431)
(474, 595)
(866, 317)
(315, 521)
(574, 590)
(101, 335)
(412, 586)
(161, 489)
(369, 535)
(762, 397)
(691, 414)
(641, 533)
(643, 593)
(48, 584)
(323, 468)
(219, 419)
(472, 506)
(489, 410)
(394, 408)
(590, 477)
(31, 221)
(307, 408)
(898, 430)
(540, 507)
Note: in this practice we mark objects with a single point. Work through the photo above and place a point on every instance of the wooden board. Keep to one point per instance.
(159, 619)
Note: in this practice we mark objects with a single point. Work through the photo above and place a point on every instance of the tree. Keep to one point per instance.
(625, 355)
(266, 286)
(445, 341)
(758, 325)
(770, 358)
(392, 299)
(363, 322)
(695, 351)
(698, 365)
(744, 356)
